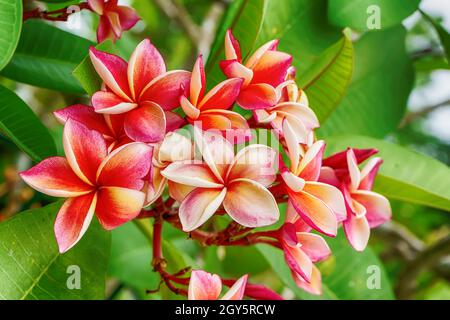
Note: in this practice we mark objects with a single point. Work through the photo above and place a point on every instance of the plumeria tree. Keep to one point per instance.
(267, 146)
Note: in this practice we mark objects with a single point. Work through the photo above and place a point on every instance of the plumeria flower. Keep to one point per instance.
(94, 181)
(110, 126)
(263, 72)
(319, 204)
(207, 286)
(141, 90)
(114, 19)
(211, 110)
(238, 182)
(365, 209)
(174, 147)
(301, 250)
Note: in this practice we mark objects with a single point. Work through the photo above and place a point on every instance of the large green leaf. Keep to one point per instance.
(356, 13)
(405, 175)
(382, 81)
(327, 80)
(11, 23)
(300, 25)
(46, 57)
(32, 268)
(355, 275)
(21, 125)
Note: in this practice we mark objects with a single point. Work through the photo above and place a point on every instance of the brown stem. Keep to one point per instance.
(55, 15)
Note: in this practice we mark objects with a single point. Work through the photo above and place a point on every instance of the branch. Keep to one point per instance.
(410, 117)
(56, 15)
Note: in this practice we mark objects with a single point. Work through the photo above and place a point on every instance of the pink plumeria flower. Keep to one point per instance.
(211, 110)
(263, 72)
(114, 19)
(110, 126)
(319, 204)
(207, 286)
(238, 182)
(174, 147)
(141, 90)
(301, 250)
(93, 181)
(365, 209)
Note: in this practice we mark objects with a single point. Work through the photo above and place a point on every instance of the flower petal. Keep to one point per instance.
(294, 218)
(85, 149)
(198, 82)
(236, 292)
(113, 70)
(55, 177)
(291, 137)
(339, 160)
(255, 162)
(146, 123)
(315, 212)
(97, 6)
(314, 246)
(260, 52)
(234, 69)
(222, 96)
(127, 16)
(173, 121)
(199, 206)
(175, 147)
(167, 88)
(146, 63)
(189, 109)
(204, 286)
(155, 187)
(298, 261)
(73, 220)
(104, 30)
(191, 173)
(293, 182)
(126, 166)
(179, 191)
(257, 96)
(330, 195)
(355, 173)
(115, 206)
(110, 103)
(309, 167)
(357, 231)
(272, 68)
(299, 111)
(315, 284)
(378, 208)
(251, 204)
(232, 48)
(369, 172)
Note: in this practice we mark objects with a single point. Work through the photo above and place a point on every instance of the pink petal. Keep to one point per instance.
(126, 166)
(146, 63)
(369, 172)
(179, 191)
(96, 5)
(357, 231)
(189, 109)
(293, 217)
(204, 286)
(110, 103)
(175, 147)
(257, 96)
(315, 284)
(146, 123)
(378, 208)
(115, 123)
(309, 167)
(355, 173)
(115, 206)
(260, 52)
(173, 121)
(236, 292)
(114, 21)
(54, 176)
(198, 82)
(300, 112)
(85, 149)
(73, 220)
(166, 89)
(232, 48)
(298, 261)
(250, 204)
(255, 162)
(328, 176)
(330, 195)
(213, 122)
(127, 16)
(86, 115)
(339, 160)
(155, 187)
(314, 246)
(315, 212)
(113, 70)
(191, 173)
(272, 68)
(293, 140)
(296, 184)
(104, 30)
(199, 206)
(259, 292)
(234, 69)
(222, 96)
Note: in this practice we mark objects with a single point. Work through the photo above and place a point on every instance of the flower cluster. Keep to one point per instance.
(150, 130)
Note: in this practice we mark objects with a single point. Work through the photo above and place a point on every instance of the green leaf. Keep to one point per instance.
(443, 34)
(11, 24)
(405, 175)
(86, 74)
(46, 57)
(382, 81)
(354, 275)
(358, 14)
(300, 25)
(276, 260)
(21, 125)
(327, 80)
(32, 268)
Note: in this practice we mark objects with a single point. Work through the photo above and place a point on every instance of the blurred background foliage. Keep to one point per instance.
(402, 71)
